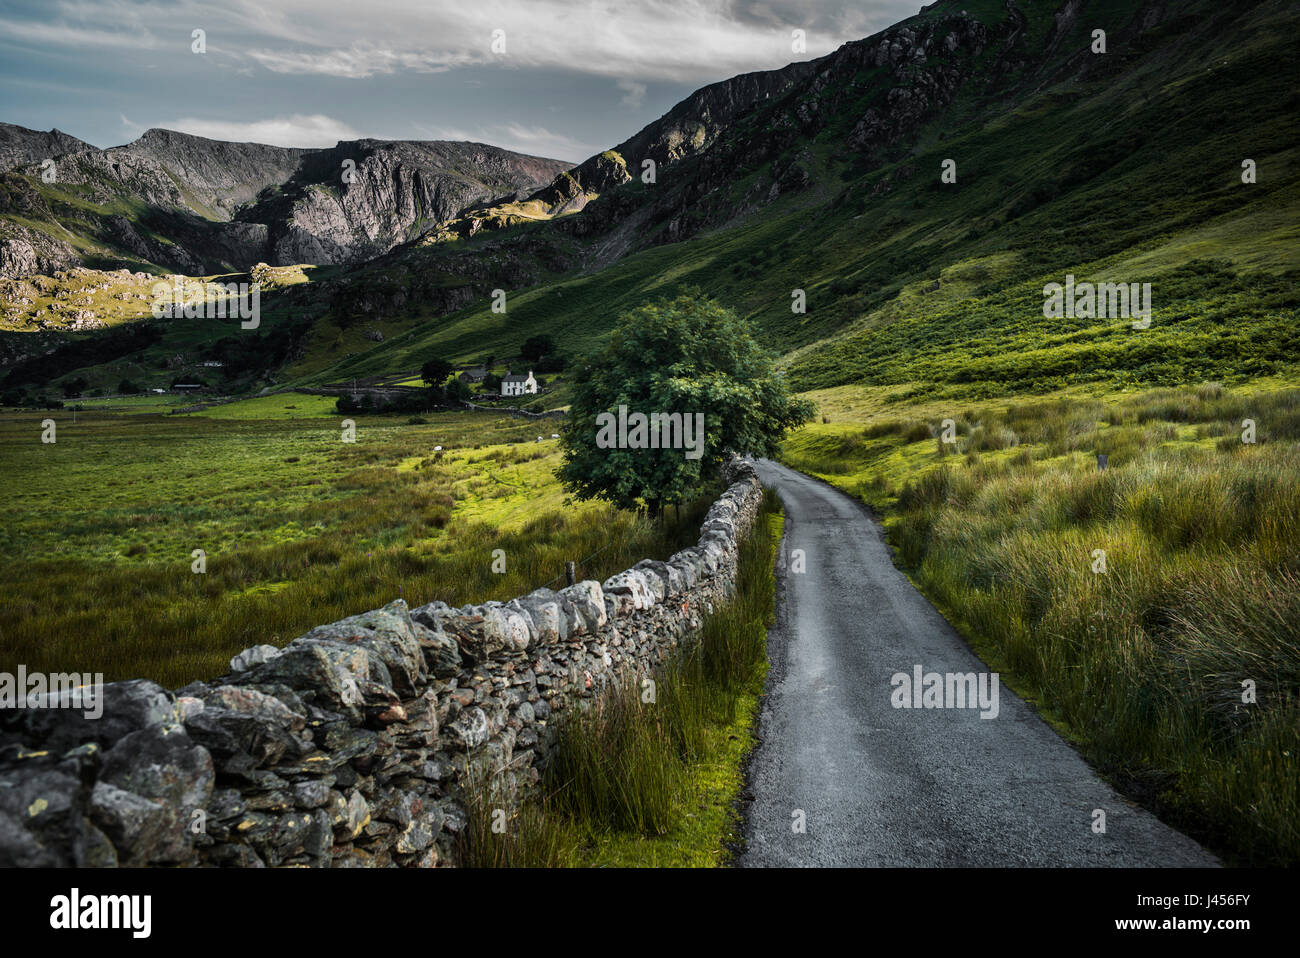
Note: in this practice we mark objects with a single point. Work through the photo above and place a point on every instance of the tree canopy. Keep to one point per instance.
(436, 371)
(457, 391)
(688, 356)
(535, 347)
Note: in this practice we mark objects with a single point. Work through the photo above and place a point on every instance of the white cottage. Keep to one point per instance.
(516, 385)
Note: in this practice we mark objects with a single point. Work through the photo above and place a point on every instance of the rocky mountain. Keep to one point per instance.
(826, 178)
(690, 128)
(214, 175)
(357, 200)
(20, 146)
(726, 152)
(189, 204)
(25, 251)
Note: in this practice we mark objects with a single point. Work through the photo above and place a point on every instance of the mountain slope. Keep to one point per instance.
(825, 178)
(1066, 160)
(20, 146)
(688, 129)
(395, 190)
(213, 175)
(173, 202)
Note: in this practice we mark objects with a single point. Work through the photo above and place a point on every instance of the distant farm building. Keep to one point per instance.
(515, 385)
(473, 375)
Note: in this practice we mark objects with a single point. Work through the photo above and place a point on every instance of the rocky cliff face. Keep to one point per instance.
(219, 207)
(362, 198)
(866, 96)
(694, 124)
(687, 130)
(25, 251)
(20, 146)
(219, 176)
(215, 207)
(108, 175)
(869, 94)
(174, 230)
(864, 99)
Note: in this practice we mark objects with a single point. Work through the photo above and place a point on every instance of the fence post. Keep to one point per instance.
(570, 573)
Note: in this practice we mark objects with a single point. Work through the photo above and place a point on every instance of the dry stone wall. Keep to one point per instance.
(351, 745)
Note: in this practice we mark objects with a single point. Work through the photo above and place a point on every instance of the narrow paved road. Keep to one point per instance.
(879, 785)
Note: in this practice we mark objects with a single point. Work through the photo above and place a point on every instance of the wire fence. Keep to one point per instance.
(576, 565)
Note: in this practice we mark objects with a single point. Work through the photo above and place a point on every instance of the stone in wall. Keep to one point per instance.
(350, 746)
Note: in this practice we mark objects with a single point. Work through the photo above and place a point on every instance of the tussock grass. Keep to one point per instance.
(1143, 664)
(503, 832)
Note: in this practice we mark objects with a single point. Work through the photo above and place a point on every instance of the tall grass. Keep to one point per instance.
(1149, 660)
(503, 832)
(624, 763)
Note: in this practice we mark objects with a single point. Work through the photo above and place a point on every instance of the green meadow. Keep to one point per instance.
(296, 527)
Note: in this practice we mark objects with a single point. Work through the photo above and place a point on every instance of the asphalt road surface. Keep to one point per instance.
(875, 784)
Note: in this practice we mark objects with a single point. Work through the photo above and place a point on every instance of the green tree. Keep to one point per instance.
(457, 391)
(688, 356)
(127, 388)
(535, 347)
(436, 371)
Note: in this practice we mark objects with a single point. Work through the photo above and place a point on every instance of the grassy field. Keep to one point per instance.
(277, 407)
(298, 528)
(651, 785)
(1139, 606)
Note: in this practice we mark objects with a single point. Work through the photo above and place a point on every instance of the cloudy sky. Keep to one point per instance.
(575, 77)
